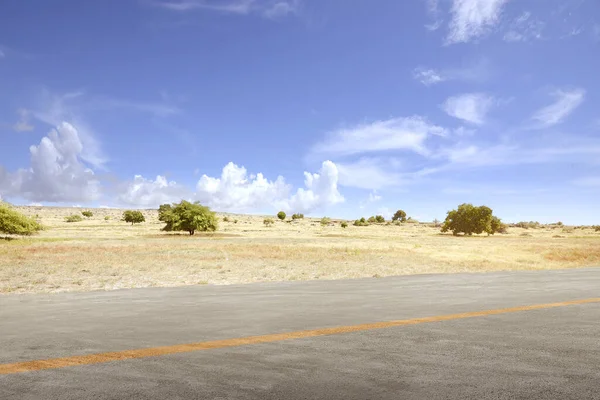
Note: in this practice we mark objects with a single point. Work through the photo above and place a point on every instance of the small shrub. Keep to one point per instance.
(344, 224)
(411, 220)
(436, 223)
(567, 230)
(235, 221)
(225, 219)
(379, 219)
(107, 218)
(298, 216)
(325, 221)
(596, 228)
(559, 223)
(133, 216)
(87, 214)
(15, 223)
(281, 215)
(74, 218)
(268, 222)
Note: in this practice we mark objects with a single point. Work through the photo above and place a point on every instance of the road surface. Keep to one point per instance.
(426, 337)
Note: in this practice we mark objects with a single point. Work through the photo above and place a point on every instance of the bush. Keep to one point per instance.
(325, 221)
(268, 222)
(74, 218)
(133, 216)
(225, 219)
(298, 216)
(400, 215)
(469, 219)
(559, 223)
(87, 214)
(527, 225)
(281, 215)
(186, 216)
(15, 223)
(411, 220)
(235, 221)
(107, 218)
(344, 224)
(596, 228)
(361, 222)
(371, 220)
(379, 219)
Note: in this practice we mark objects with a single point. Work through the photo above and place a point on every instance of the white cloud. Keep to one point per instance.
(373, 198)
(233, 6)
(23, 124)
(429, 76)
(473, 18)
(434, 10)
(524, 28)
(267, 8)
(152, 193)
(57, 172)
(368, 173)
(392, 134)
(237, 191)
(470, 107)
(566, 102)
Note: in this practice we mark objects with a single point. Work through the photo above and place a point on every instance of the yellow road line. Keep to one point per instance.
(55, 363)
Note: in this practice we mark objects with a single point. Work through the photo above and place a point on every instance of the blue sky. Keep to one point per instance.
(326, 107)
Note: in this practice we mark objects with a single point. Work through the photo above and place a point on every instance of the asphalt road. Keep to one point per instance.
(551, 353)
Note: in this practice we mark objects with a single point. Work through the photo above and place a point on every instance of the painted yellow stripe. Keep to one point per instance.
(56, 363)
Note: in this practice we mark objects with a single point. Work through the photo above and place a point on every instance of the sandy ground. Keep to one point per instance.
(96, 254)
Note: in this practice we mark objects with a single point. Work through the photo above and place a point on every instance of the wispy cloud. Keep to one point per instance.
(477, 72)
(23, 124)
(392, 134)
(470, 107)
(158, 109)
(588, 181)
(567, 100)
(473, 18)
(369, 173)
(267, 8)
(524, 28)
(433, 9)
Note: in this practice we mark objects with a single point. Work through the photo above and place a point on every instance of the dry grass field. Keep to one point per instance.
(96, 254)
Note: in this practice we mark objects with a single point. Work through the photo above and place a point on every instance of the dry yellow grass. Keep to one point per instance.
(102, 255)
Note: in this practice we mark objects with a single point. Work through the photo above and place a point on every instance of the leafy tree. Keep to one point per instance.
(268, 222)
(379, 219)
(371, 220)
(87, 214)
(325, 221)
(15, 223)
(74, 218)
(361, 222)
(133, 216)
(298, 216)
(344, 224)
(186, 216)
(281, 215)
(469, 219)
(400, 215)
(596, 228)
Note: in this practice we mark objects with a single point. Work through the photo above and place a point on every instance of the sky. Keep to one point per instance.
(325, 107)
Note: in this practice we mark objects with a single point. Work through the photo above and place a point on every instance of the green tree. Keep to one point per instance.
(133, 216)
(400, 215)
(344, 224)
(361, 222)
(325, 221)
(297, 216)
(372, 220)
(15, 223)
(379, 219)
(469, 219)
(87, 214)
(186, 216)
(281, 215)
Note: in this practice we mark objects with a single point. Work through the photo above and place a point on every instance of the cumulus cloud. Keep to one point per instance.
(236, 190)
(566, 102)
(392, 134)
(428, 76)
(473, 18)
(151, 193)
(56, 172)
(470, 107)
